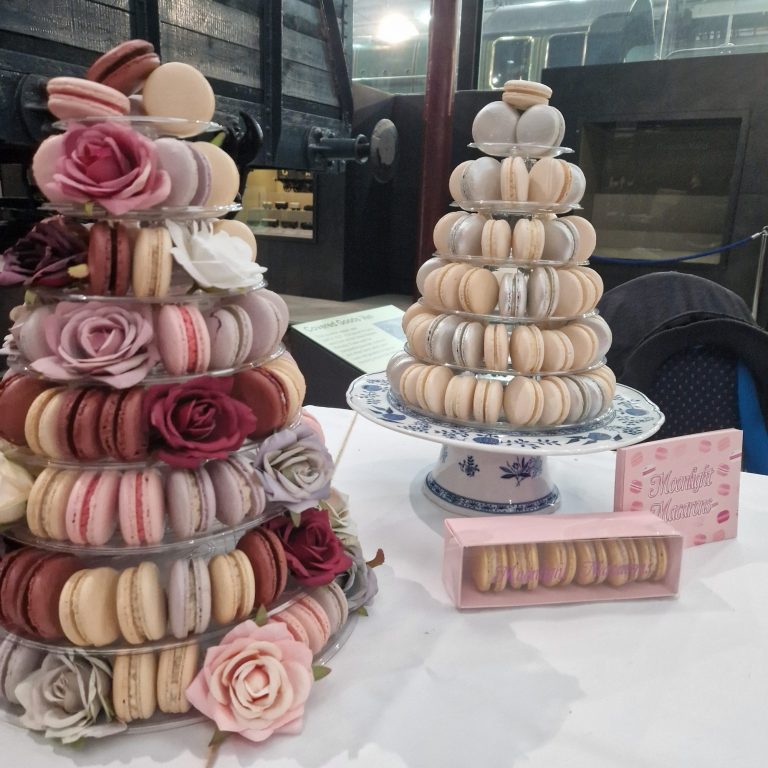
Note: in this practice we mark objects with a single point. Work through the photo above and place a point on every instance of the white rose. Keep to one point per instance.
(15, 484)
(213, 260)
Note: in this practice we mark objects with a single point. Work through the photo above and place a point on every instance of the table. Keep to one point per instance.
(675, 682)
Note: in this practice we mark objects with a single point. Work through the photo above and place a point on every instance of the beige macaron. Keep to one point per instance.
(431, 386)
(496, 240)
(459, 397)
(557, 401)
(514, 180)
(495, 347)
(523, 401)
(527, 240)
(487, 401)
(558, 351)
(584, 342)
(526, 348)
(478, 291)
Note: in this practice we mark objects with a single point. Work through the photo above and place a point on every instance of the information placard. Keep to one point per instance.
(365, 339)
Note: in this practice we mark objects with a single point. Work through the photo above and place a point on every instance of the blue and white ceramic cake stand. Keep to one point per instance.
(485, 470)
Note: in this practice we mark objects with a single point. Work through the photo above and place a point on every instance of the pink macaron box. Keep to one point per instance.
(480, 554)
(690, 481)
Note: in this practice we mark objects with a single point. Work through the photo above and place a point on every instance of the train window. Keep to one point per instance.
(660, 189)
(749, 28)
(565, 50)
(511, 60)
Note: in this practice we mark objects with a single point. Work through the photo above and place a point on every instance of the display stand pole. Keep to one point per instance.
(437, 122)
(760, 272)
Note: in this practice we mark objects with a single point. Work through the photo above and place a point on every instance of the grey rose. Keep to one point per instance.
(69, 698)
(295, 468)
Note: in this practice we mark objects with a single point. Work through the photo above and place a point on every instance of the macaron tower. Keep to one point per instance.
(506, 333)
(150, 396)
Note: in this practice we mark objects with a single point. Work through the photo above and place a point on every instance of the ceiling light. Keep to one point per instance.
(395, 28)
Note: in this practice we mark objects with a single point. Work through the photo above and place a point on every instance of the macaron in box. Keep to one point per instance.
(550, 559)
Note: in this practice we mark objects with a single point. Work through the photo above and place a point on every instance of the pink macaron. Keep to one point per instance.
(183, 340)
(269, 320)
(126, 66)
(231, 334)
(141, 507)
(91, 514)
(180, 163)
(70, 98)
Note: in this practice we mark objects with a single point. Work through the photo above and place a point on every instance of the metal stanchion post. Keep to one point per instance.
(760, 270)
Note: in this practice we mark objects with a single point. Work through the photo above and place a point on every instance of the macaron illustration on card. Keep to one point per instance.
(692, 482)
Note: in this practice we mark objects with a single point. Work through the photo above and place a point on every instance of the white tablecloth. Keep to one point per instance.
(676, 682)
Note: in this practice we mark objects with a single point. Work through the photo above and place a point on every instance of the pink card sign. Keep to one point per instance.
(692, 482)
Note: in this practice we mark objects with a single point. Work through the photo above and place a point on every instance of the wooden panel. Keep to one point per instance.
(219, 21)
(214, 58)
(308, 83)
(63, 21)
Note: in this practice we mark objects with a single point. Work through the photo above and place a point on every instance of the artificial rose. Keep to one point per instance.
(45, 253)
(359, 580)
(109, 164)
(15, 485)
(337, 506)
(295, 468)
(197, 420)
(213, 260)
(314, 553)
(108, 342)
(255, 681)
(69, 698)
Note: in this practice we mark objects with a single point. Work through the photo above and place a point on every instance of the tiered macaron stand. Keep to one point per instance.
(497, 468)
(219, 538)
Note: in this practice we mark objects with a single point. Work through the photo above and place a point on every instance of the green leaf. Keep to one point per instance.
(362, 611)
(377, 559)
(88, 208)
(296, 519)
(319, 671)
(77, 744)
(218, 737)
(218, 139)
(260, 616)
(78, 272)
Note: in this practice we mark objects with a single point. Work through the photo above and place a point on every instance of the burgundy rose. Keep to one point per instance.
(314, 553)
(45, 253)
(109, 164)
(197, 420)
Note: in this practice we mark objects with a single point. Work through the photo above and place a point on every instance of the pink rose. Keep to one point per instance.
(109, 164)
(197, 420)
(255, 682)
(314, 553)
(112, 343)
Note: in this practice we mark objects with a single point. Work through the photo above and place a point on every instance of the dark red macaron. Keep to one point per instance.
(123, 430)
(263, 394)
(109, 259)
(13, 579)
(46, 582)
(17, 393)
(265, 552)
(126, 66)
(84, 437)
(70, 402)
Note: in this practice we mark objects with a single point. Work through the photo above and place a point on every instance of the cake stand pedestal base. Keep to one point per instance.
(467, 481)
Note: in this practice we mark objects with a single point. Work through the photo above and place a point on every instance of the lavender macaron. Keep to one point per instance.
(191, 502)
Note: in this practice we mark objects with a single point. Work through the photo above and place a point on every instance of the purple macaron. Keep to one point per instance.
(180, 162)
(191, 502)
